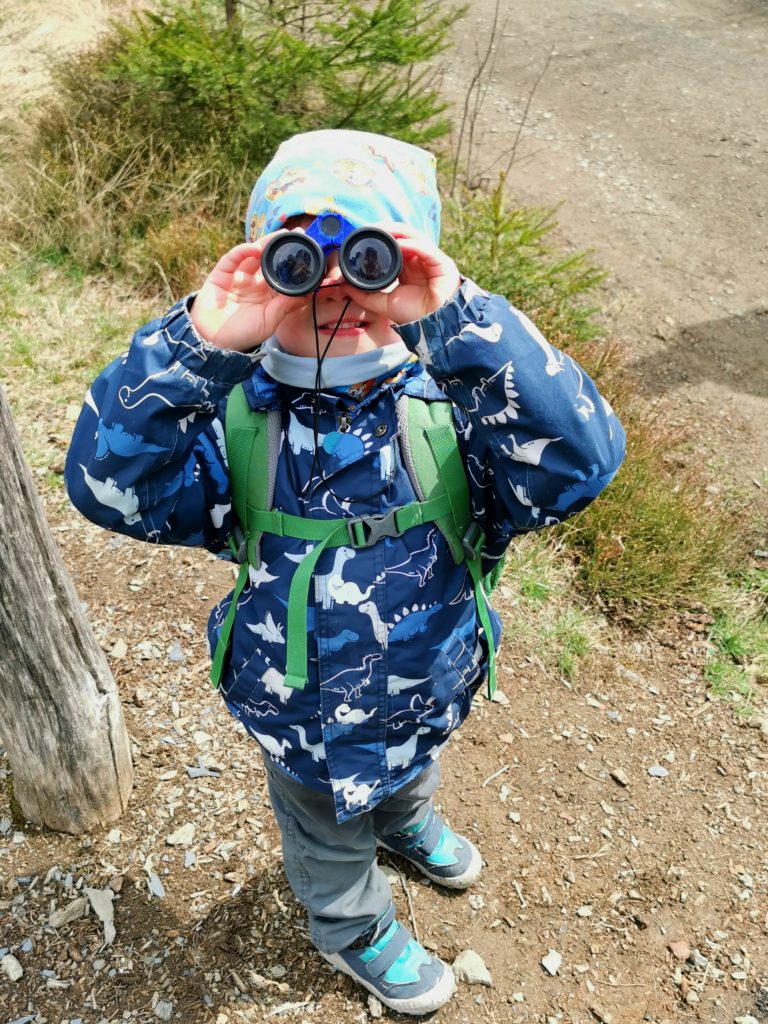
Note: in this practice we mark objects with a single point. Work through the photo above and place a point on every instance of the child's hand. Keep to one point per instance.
(236, 308)
(428, 279)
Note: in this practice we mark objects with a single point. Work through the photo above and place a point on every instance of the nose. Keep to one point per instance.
(334, 280)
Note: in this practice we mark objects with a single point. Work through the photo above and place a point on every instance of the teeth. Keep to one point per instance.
(345, 324)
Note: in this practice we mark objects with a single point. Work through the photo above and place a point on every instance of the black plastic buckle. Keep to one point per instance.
(367, 530)
(473, 541)
(238, 544)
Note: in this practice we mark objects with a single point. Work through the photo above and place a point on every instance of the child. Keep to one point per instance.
(396, 645)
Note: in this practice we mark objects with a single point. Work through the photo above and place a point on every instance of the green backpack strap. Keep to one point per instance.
(432, 458)
(252, 439)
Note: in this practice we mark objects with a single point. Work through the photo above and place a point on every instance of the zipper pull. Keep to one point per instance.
(344, 423)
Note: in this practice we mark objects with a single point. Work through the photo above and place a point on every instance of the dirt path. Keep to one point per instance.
(620, 812)
(650, 123)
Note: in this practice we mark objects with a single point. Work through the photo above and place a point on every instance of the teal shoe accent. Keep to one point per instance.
(437, 851)
(444, 854)
(389, 962)
(405, 970)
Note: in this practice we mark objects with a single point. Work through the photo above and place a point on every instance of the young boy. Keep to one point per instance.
(396, 647)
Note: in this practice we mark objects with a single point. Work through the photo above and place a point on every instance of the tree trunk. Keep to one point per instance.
(60, 715)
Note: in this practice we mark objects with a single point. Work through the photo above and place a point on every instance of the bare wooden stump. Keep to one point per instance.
(60, 715)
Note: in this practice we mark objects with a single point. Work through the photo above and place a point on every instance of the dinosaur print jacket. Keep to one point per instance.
(395, 649)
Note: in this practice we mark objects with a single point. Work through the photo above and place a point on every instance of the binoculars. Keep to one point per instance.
(294, 262)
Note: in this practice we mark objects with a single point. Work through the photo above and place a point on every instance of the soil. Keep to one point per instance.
(651, 885)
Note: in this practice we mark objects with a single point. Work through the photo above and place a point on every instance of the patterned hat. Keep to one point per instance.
(368, 178)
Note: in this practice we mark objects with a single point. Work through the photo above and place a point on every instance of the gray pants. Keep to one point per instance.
(332, 868)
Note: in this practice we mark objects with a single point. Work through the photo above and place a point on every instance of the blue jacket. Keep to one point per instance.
(395, 652)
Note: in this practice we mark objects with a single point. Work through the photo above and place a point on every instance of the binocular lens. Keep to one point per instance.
(370, 259)
(293, 265)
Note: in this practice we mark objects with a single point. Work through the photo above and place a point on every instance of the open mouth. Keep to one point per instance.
(344, 327)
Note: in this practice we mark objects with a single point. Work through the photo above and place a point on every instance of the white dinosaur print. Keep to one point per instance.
(333, 589)
(301, 437)
(553, 365)
(396, 684)
(379, 625)
(317, 750)
(528, 451)
(268, 630)
(360, 673)
(413, 567)
(217, 514)
(107, 493)
(346, 715)
(401, 757)
(271, 745)
(274, 682)
(354, 795)
(261, 575)
(491, 333)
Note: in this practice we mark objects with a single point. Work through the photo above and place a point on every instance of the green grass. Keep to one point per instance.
(737, 662)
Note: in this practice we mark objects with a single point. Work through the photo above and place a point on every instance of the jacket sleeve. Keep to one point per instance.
(540, 442)
(147, 456)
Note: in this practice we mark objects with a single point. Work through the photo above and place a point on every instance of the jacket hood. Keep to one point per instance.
(368, 178)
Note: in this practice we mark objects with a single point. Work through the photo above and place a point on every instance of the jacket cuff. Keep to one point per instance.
(427, 336)
(219, 365)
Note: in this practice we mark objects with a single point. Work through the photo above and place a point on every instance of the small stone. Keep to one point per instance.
(552, 962)
(141, 696)
(500, 698)
(71, 912)
(507, 737)
(584, 911)
(679, 949)
(183, 835)
(602, 1015)
(620, 776)
(746, 1018)
(101, 901)
(692, 997)
(514, 816)
(11, 967)
(164, 1010)
(175, 652)
(518, 997)
(155, 885)
(119, 650)
(114, 837)
(470, 968)
(375, 1008)
(201, 738)
(658, 771)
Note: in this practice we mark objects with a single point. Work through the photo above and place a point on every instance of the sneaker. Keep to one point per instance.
(437, 851)
(389, 962)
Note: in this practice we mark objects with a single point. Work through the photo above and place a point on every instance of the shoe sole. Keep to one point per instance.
(463, 881)
(427, 1003)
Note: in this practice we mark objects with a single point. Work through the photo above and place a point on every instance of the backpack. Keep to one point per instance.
(430, 454)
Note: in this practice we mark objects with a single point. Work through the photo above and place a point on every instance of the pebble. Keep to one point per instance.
(620, 776)
(176, 652)
(183, 835)
(552, 962)
(584, 911)
(71, 912)
(164, 1010)
(746, 1018)
(11, 967)
(119, 650)
(375, 1008)
(679, 949)
(658, 771)
(470, 968)
(114, 837)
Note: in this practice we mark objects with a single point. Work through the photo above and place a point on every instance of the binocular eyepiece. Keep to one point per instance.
(294, 262)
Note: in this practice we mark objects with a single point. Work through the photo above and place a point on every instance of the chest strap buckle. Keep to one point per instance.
(365, 531)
